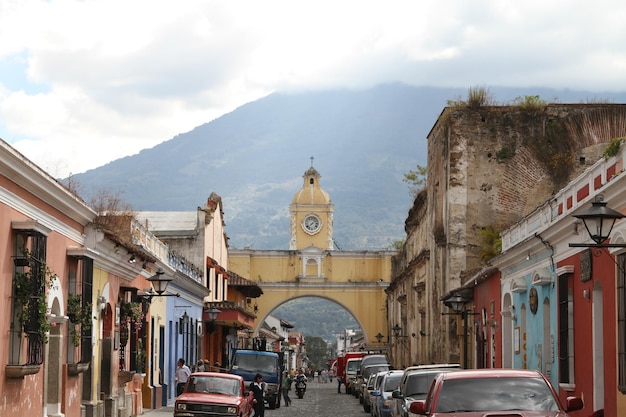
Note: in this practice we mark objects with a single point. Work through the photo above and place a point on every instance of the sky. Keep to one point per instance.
(86, 82)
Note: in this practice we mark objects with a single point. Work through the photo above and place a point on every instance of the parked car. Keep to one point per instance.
(478, 392)
(378, 377)
(382, 395)
(414, 385)
(369, 387)
(366, 369)
(351, 369)
(363, 376)
(219, 393)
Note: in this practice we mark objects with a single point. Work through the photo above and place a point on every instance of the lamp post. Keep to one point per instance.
(457, 304)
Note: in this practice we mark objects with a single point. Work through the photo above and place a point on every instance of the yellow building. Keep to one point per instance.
(356, 280)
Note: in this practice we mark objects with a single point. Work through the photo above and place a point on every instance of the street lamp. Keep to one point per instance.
(457, 304)
(159, 284)
(212, 313)
(599, 221)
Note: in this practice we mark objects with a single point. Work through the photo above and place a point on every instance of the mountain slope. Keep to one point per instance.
(362, 143)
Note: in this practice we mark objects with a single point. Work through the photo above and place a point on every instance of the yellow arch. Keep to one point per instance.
(355, 280)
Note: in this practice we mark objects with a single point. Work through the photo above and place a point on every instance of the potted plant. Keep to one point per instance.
(21, 261)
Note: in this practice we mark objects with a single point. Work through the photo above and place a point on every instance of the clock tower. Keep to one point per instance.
(311, 215)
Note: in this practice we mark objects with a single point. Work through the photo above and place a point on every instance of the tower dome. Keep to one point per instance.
(311, 192)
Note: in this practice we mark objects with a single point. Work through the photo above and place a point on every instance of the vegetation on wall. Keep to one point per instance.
(504, 153)
(30, 290)
(477, 97)
(530, 103)
(491, 243)
(613, 147)
(416, 179)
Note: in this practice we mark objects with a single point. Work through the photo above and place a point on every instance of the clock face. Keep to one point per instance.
(311, 223)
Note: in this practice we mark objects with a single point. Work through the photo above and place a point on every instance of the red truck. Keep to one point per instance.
(350, 362)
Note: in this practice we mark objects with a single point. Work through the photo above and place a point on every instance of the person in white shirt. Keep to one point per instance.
(182, 374)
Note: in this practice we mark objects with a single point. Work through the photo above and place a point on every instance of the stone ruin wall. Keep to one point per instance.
(505, 161)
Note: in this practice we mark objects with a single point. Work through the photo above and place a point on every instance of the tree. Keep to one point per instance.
(316, 351)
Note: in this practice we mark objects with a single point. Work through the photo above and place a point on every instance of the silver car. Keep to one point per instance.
(382, 395)
(414, 385)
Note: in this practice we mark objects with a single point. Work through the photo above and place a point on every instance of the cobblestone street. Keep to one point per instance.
(319, 400)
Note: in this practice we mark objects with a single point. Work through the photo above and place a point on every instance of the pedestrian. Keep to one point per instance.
(258, 391)
(286, 388)
(217, 367)
(339, 384)
(182, 374)
(200, 366)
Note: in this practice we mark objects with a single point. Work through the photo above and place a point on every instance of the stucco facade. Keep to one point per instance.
(564, 302)
(99, 340)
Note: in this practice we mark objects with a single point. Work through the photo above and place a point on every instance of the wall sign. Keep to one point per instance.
(585, 265)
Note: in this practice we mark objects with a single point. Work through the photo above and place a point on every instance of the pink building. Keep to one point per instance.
(40, 220)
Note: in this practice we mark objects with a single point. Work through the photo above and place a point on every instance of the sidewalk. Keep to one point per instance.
(159, 412)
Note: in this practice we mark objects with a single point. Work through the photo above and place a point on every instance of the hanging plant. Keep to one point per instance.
(31, 284)
(131, 312)
(80, 317)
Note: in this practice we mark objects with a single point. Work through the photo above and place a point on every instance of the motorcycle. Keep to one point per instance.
(300, 386)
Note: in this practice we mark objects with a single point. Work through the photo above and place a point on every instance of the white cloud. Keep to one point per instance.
(85, 82)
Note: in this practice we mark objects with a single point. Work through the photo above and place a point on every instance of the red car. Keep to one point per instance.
(214, 394)
(501, 392)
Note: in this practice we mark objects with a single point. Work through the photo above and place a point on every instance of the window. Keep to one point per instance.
(29, 246)
(80, 282)
(566, 330)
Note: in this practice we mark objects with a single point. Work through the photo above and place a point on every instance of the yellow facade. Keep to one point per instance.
(356, 280)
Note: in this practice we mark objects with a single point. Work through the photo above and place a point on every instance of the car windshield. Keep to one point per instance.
(353, 366)
(417, 385)
(214, 385)
(392, 382)
(495, 394)
(374, 369)
(255, 363)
